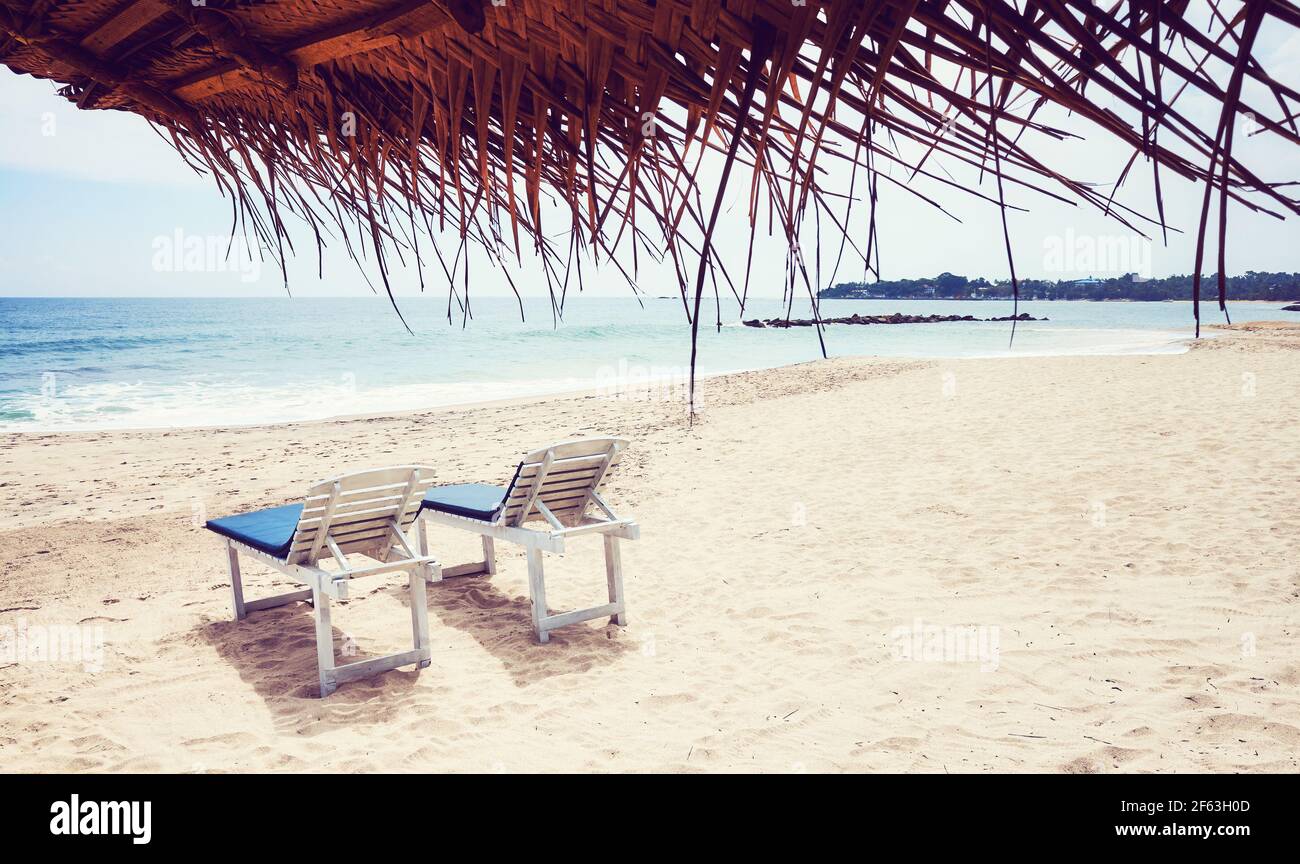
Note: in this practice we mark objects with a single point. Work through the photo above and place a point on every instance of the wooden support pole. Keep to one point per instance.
(212, 23)
(69, 53)
(123, 25)
(350, 37)
(468, 14)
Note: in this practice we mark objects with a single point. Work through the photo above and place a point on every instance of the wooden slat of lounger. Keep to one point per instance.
(584, 448)
(371, 548)
(553, 485)
(392, 502)
(368, 532)
(350, 533)
(318, 496)
(384, 484)
(363, 512)
(312, 513)
(575, 463)
(378, 515)
(554, 505)
(559, 512)
(378, 478)
(549, 497)
(585, 466)
(546, 496)
(383, 513)
(575, 469)
(356, 500)
(527, 483)
(318, 500)
(373, 537)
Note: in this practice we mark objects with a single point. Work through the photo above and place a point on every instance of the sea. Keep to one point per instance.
(124, 363)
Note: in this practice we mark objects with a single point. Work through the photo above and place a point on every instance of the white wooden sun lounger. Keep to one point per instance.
(556, 486)
(369, 513)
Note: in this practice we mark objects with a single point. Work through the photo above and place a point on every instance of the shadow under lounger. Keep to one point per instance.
(556, 485)
(369, 513)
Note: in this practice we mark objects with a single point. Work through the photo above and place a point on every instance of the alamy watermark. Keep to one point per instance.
(1091, 255)
(52, 643)
(114, 818)
(919, 642)
(948, 385)
(179, 252)
(633, 382)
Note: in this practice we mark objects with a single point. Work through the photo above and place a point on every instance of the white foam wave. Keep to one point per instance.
(138, 405)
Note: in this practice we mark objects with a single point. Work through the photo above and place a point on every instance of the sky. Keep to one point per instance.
(90, 202)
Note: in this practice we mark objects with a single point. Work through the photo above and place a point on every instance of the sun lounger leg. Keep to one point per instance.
(236, 583)
(422, 536)
(420, 612)
(537, 589)
(614, 576)
(324, 641)
(486, 567)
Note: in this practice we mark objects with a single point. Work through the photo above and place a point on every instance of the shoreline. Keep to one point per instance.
(1162, 348)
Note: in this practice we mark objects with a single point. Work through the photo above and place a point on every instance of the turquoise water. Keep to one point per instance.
(127, 363)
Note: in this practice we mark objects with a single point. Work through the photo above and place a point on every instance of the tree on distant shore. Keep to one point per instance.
(1252, 285)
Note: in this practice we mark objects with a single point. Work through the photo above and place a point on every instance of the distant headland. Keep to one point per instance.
(1282, 287)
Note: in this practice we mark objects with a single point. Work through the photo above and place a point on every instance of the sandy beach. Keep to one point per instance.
(1122, 532)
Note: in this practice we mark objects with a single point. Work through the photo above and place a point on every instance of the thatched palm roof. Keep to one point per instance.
(378, 121)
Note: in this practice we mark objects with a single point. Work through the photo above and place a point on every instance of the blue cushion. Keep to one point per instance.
(475, 500)
(269, 530)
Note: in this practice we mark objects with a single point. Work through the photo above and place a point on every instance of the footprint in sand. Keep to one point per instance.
(484, 601)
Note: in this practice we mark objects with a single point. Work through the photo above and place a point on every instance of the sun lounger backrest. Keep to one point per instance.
(563, 477)
(356, 511)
